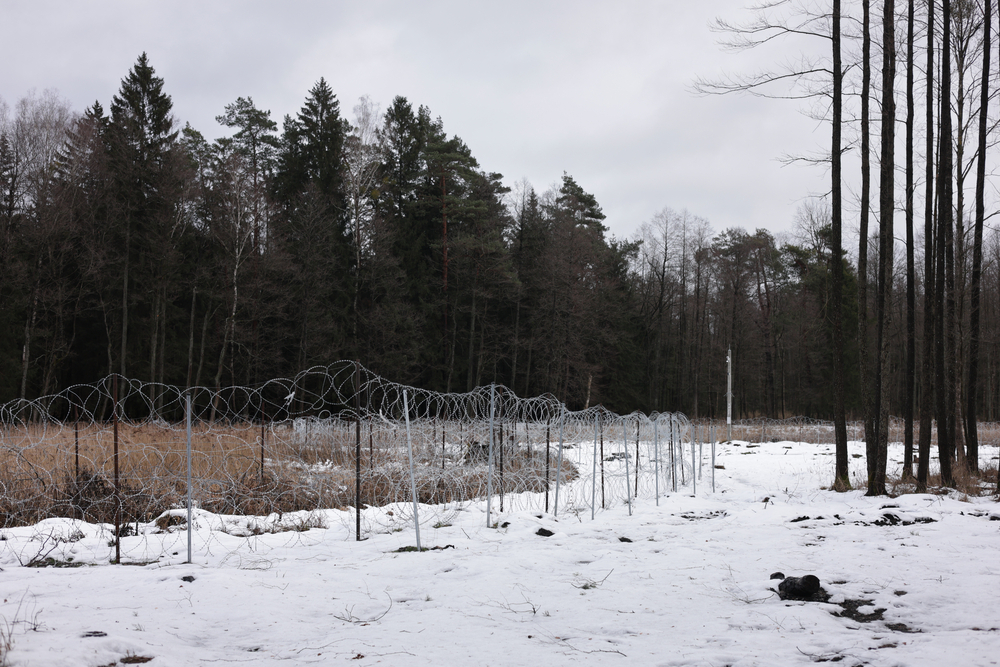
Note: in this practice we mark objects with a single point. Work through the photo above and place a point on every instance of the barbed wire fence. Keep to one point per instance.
(146, 463)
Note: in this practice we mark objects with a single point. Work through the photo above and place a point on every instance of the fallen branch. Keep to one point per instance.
(349, 617)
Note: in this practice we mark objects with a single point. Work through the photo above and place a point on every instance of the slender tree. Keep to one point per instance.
(869, 389)
(878, 454)
(911, 298)
(842, 479)
(927, 359)
(972, 388)
(944, 361)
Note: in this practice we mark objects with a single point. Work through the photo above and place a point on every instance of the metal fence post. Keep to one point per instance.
(188, 419)
(593, 476)
(628, 495)
(413, 482)
(489, 466)
(562, 425)
(656, 453)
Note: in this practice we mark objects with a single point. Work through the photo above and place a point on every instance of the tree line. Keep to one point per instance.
(133, 245)
(942, 383)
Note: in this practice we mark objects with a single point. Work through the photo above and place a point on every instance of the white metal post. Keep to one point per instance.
(702, 434)
(694, 478)
(713, 458)
(562, 423)
(673, 454)
(188, 411)
(489, 467)
(593, 477)
(628, 493)
(656, 453)
(413, 482)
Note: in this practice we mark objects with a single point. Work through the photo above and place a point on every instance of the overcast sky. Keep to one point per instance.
(597, 89)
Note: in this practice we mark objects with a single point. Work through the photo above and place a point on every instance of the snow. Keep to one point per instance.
(691, 587)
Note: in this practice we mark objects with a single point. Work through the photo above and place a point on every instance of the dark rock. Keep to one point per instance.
(805, 588)
(778, 575)
(189, 578)
(544, 532)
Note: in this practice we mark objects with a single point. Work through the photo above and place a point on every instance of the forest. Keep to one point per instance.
(130, 243)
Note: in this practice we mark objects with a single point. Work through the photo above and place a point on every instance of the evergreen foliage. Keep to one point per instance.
(139, 247)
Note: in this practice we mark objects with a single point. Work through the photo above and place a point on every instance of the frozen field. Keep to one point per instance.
(912, 580)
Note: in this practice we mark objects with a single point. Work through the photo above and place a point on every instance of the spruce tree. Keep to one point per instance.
(140, 141)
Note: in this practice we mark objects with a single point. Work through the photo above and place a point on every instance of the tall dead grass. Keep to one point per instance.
(821, 432)
(69, 470)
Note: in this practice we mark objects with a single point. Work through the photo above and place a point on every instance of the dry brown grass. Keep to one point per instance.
(65, 470)
(821, 432)
(973, 484)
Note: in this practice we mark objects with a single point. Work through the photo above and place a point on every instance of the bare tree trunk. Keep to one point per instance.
(911, 298)
(29, 328)
(472, 340)
(201, 347)
(971, 392)
(163, 344)
(482, 347)
(452, 343)
(154, 338)
(946, 394)
(868, 376)
(927, 358)
(842, 480)
(527, 368)
(218, 373)
(517, 331)
(878, 451)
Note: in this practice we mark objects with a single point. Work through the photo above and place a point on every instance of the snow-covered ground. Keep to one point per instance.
(681, 582)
